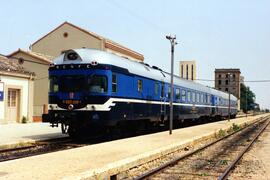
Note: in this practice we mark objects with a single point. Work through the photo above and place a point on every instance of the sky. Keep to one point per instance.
(215, 33)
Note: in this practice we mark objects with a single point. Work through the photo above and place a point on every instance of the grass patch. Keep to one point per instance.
(221, 133)
(235, 127)
(223, 162)
(203, 174)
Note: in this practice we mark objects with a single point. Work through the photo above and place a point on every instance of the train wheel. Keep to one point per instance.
(72, 132)
(64, 128)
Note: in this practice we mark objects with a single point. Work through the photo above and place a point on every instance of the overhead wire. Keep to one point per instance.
(146, 21)
(259, 81)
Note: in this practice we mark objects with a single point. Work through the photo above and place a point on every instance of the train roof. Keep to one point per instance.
(87, 56)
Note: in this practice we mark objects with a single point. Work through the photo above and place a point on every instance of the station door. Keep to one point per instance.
(13, 105)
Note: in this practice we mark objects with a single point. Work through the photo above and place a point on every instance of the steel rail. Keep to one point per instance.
(174, 161)
(238, 158)
(55, 141)
(61, 142)
(35, 144)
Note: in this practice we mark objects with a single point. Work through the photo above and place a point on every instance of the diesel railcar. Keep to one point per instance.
(92, 89)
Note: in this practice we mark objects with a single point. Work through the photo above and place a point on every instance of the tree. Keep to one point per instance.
(247, 98)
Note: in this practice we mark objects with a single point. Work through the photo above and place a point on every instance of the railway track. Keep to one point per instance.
(42, 147)
(58, 144)
(214, 160)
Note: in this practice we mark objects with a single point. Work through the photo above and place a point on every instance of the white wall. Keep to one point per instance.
(23, 85)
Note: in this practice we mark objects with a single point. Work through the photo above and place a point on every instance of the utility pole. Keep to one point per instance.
(229, 109)
(246, 100)
(173, 43)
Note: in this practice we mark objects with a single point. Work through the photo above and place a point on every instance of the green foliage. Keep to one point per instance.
(247, 98)
(235, 127)
(24, 119)
(223, 162)
(221, 133)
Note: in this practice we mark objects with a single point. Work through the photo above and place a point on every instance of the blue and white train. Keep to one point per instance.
(95, 89)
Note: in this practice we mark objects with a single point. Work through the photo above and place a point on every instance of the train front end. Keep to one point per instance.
(78, 89)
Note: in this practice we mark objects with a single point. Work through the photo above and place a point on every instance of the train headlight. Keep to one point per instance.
(70, 107)
(94, 63)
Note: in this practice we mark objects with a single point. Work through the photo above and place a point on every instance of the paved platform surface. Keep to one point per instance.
(18, 134)
(99, 161)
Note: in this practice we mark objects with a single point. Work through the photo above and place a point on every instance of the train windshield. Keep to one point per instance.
(73, 83)
(79, 83)
(54, 87)
(97, 84)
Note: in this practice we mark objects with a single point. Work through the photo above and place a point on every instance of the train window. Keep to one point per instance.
(193, 97)
(162, 90)
(114, 83)
(198, 97)
(169, 92)
(188, 96)
(177, 93)
(183, 92)
(140, 85)
(97, 84)
(156, 88)
(54, 87)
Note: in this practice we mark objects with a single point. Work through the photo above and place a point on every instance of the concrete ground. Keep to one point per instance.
(99, 161)
(18, 134)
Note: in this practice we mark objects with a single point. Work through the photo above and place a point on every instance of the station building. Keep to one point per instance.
(188, 70)
(64, 37)
(16, 92)
(68, 36)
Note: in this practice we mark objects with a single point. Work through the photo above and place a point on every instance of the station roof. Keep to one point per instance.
(8, 66)
(41, 57)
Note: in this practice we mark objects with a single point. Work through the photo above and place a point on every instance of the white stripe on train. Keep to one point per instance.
(111, 102)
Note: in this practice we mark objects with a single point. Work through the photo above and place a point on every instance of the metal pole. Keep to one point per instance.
(229, 106)
(246, 102)
(173, 43)
(229, 109)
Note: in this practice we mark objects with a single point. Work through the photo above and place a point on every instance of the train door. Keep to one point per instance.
(163, 102)
(214, 105)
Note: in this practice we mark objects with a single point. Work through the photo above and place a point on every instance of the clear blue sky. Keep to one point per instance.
(216, 33)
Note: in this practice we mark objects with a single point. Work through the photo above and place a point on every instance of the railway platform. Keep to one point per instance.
(101, 161)
(13, 135)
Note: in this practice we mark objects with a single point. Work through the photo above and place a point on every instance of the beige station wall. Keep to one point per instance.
(41, 82)
(54, 43)
(25, 86)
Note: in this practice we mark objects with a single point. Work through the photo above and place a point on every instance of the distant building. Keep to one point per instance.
(16, 92)
(228, 80)
(188, 70)
(64, 37)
